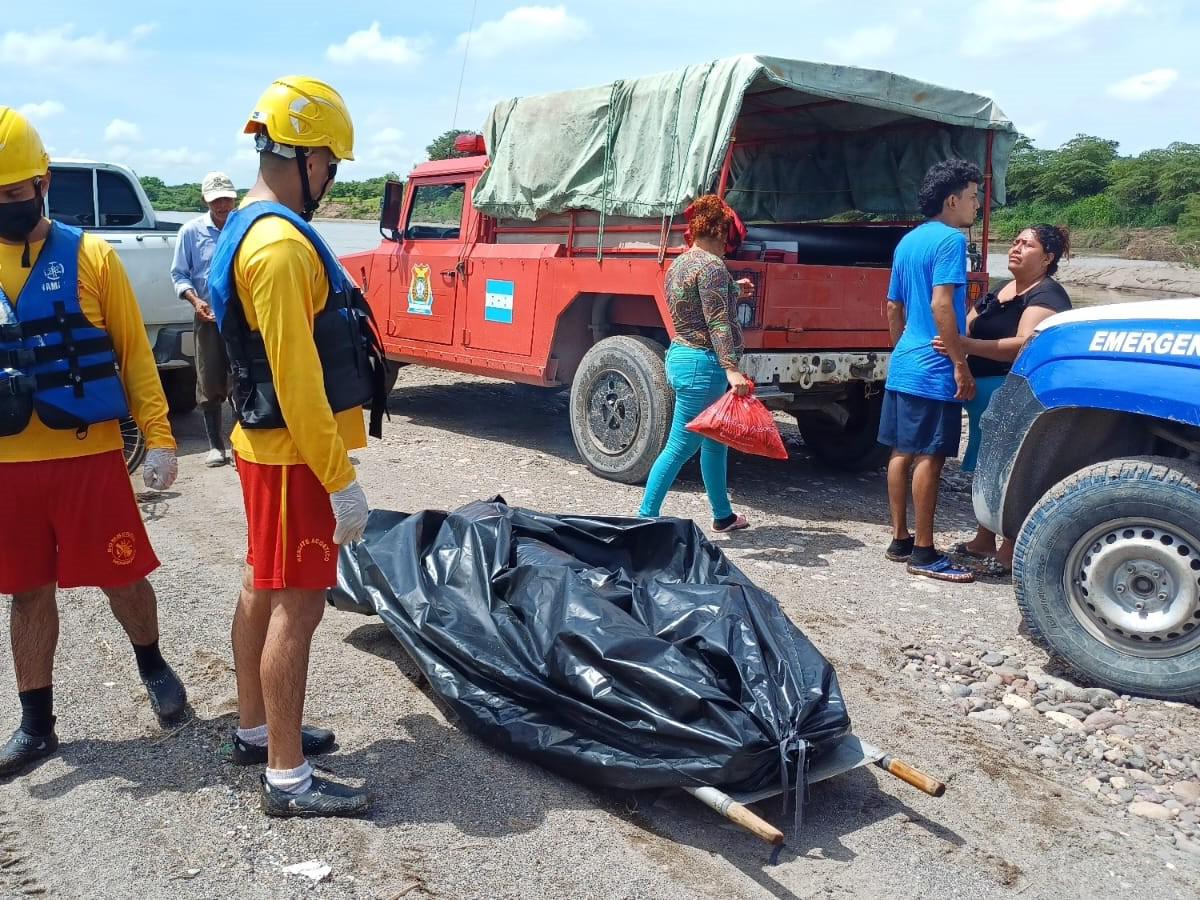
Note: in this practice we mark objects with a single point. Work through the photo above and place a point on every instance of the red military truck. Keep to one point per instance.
(540, 256)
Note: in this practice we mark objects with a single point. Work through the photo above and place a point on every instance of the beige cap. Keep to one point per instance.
(215, 186)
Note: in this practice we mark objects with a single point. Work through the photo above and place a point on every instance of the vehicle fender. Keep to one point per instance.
(1149, 367)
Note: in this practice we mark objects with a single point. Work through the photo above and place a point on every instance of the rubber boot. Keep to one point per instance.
(212, 428)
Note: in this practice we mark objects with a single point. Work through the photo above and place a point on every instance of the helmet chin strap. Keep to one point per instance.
(310, 205)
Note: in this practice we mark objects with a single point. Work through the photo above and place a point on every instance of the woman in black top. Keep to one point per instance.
(997, 329)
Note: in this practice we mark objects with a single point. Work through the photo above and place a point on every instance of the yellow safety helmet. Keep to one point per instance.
(304, 112)
(22, 155)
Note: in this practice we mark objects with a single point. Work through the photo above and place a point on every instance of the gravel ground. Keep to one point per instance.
(1054, 790)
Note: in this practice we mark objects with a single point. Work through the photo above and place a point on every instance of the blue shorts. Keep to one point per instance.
(918, 425)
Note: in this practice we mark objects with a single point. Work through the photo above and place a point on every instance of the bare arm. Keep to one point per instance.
(947, 326)
(896, 319)
(947, 323)
(1006, 349)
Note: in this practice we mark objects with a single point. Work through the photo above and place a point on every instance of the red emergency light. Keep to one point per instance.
(470, 144)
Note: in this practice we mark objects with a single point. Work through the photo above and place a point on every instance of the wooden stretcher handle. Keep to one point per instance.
(740, 815)
(717, 800)
(911, 775)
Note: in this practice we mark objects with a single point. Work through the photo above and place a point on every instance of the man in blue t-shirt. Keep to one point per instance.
(922, 403)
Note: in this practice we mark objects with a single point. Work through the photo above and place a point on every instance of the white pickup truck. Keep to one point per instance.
(107, 200)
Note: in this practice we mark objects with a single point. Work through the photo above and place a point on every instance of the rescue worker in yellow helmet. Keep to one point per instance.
(305, 359)
(74, 360)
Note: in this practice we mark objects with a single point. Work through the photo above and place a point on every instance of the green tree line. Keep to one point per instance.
(1087, 184)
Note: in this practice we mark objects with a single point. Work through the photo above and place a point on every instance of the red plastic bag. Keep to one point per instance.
(742, 423)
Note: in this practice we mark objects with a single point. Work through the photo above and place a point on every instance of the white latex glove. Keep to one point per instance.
(350, 511)
(159, 469)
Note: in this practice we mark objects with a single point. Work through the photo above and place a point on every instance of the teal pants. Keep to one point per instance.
(984, 388)
(698, 380)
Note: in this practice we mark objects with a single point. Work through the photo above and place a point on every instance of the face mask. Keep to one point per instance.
(20, 217)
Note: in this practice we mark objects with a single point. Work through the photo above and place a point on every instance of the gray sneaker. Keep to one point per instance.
(323, 798)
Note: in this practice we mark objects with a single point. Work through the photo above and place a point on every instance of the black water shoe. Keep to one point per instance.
(23, 750)
(168, 698)
(313, 742)
(323, 798)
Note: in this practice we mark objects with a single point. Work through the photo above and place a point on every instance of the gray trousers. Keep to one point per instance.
(212, 366)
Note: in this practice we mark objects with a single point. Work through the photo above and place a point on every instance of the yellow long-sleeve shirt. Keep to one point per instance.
(282, 286)
(107, 300)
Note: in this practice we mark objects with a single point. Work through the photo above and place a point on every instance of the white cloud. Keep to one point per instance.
(525, 26)
(1035, 131)
(999, 23)
(119, 130)
(372, 46)
(44, 110)
(62, 47)
(175, 156)
(388, 136)
(863, 44)
(1144, 86)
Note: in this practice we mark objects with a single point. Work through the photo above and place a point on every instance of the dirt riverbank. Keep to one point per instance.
(125, 809)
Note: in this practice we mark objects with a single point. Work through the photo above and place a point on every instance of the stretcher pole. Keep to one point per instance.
(911, 775)
(719, 801)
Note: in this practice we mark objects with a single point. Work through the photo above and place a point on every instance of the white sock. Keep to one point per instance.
(291, 781)
(254, 736)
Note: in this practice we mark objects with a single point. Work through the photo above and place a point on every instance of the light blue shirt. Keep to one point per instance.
(193, 256)
(930, 255)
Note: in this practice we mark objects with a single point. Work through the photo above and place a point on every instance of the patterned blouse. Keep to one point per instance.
(702, 296)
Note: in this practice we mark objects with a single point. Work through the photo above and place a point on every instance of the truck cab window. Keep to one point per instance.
(119, 204)
(71, 199)
(436, 212)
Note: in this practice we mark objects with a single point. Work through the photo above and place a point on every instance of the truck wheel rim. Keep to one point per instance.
(1135, 586)
(614, 412)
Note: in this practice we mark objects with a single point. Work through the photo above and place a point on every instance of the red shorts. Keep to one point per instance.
(289, 527)
(74, 522)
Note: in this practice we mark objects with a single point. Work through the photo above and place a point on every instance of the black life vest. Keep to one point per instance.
(345, 333)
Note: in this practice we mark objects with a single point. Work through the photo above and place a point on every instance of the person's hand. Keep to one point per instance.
(160, 469)
(965, 382)
(939, 345)
(745, 287)
(350, 512)
(738, 383)
(204, 311)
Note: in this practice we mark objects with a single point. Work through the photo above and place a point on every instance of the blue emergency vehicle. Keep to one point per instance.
(1091, 463)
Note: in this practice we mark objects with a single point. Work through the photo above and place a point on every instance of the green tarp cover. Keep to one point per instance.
(855, 139)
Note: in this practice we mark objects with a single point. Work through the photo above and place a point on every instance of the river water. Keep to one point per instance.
(356, 236)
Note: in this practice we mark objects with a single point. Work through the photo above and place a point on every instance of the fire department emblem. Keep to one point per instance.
(122, 548)
(55, 271)
(420, 292)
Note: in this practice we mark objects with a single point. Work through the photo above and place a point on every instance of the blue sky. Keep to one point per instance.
(166, 87)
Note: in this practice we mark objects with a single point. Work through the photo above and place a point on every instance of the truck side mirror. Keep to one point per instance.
(390, 209)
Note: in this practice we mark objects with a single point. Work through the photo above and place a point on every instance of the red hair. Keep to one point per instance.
(711, 217)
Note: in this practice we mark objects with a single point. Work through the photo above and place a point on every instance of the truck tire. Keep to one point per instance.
(179, 385)
(1106, 570)
(134, 444)
(852, 448)
(621, 407)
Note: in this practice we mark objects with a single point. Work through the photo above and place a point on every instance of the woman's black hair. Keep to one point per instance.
(1055, 240)
(943, 179)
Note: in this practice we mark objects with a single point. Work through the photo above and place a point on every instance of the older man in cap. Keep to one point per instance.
(189, 272)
